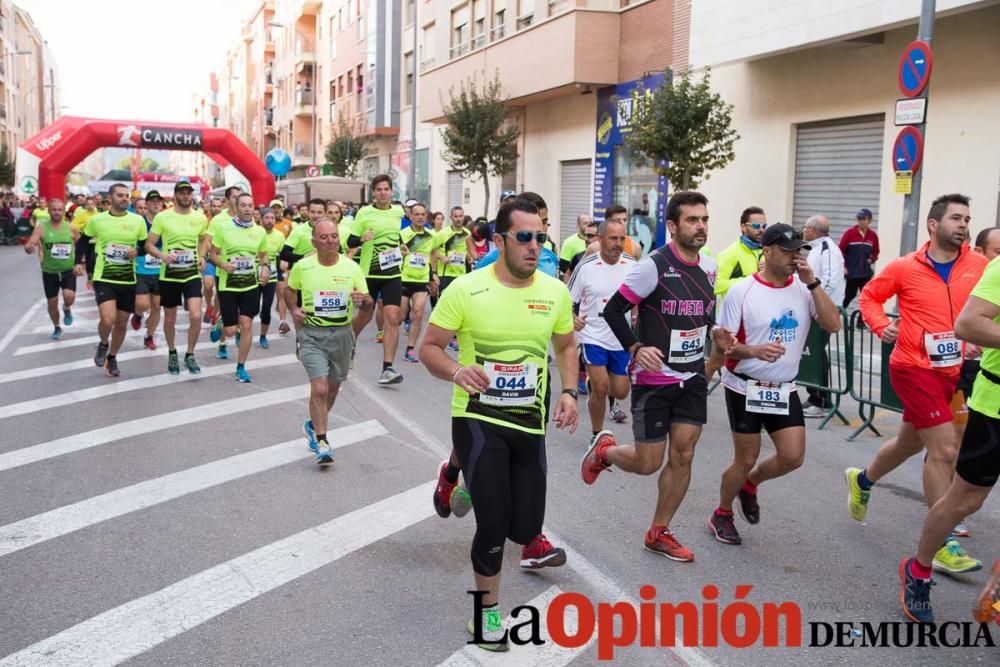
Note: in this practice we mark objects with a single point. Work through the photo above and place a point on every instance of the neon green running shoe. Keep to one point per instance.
(460, 501)
(494, 637)
(857, 498)
(951, 558)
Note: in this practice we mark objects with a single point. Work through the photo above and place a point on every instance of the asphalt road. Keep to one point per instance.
(182, 521)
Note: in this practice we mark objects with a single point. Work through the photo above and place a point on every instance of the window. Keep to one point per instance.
(499, 15)
(340, 19)
(525, 13)
(459, 31)
(427, 47)
(361, 28)
(408, 98)
(411, 12)
(333, 38)
(479, 23)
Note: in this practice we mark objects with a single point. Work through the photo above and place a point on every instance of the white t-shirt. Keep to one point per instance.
(760, 313)
(594, 282)
(827, 262)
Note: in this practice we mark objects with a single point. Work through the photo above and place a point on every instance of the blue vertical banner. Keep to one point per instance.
(617, 108)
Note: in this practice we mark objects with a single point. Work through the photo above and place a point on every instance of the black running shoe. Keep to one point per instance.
(749, 508)
(101, 355)
(111, 365)
(724, 529)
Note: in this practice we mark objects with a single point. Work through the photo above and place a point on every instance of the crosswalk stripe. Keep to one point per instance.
(134, 339)
(74, 397)
(64, 520)
(145, 425)
(45, 371)
(20, 324)
(548, 654)
(142, 624)
(82, 325)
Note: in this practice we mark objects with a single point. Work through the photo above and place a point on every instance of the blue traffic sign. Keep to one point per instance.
(908, 150)
(915, 68)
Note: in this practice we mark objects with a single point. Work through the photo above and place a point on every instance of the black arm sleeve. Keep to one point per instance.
(288, 256)
(615, 315)
(140, 248)
(564, 266)
(82, 248)
(353, 241)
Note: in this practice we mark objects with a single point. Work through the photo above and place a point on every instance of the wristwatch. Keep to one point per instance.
(572, 392)
(814, 284)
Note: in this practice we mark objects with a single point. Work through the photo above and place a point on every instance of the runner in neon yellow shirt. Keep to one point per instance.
(376, 230)
(418, 277)
(323, 291)
(182, 230)
(239, 251)
(275, 242)
(505, 316)
(116, 233)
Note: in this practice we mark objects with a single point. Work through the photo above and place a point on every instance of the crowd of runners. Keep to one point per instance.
(510, 312)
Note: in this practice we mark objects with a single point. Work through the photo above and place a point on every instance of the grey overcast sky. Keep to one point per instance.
(136, 59)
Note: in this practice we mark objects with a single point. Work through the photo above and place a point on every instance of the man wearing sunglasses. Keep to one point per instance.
(505, 317)
(743, 257)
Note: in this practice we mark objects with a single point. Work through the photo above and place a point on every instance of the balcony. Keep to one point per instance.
(3, 111)
(307, 7)
(302, 152)
(558, 52)
(304, 101)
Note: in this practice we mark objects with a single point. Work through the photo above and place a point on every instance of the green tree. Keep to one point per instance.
(477, 140)
(124, 163)
(6, 166)
(149, 165)
(346, 149)
(685, 126)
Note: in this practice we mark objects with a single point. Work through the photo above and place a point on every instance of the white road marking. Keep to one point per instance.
(69, 518)
(59, 401)
(144, 425)
(83, 325)
(133, 340)
(45, 371)
(381, 397)
(141, 624)
(20, 324)
(548, 654)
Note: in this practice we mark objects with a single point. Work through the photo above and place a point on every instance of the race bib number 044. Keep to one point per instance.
(510, 384)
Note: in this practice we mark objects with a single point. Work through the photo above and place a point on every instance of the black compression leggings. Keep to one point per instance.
(504, 471)
(267, 301)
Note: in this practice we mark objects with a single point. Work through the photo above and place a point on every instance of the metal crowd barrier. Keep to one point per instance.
(826, 366)
(864, 380)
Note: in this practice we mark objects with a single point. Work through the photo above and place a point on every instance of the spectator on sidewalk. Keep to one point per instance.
(827, 263)
(859, 244)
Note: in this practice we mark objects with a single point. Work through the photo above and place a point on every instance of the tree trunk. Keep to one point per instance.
(686, 180)
(486, 188)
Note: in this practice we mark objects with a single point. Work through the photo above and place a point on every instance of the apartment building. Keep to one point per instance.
(814, 85)
(29, 77)
(568, 68)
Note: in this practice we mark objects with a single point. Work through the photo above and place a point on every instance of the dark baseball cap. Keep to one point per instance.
(864, 213)
(153, 194)
(784, 237)
(183, 185)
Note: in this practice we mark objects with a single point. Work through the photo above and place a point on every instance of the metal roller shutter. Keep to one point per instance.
(574, 195)
(455, 193)
(838, 169)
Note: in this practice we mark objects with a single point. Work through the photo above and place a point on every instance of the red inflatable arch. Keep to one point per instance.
(70, 140)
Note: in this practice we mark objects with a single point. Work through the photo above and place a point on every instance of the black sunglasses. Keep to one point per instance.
(525, 236)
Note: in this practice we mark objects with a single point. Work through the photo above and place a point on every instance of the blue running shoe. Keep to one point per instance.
(581, 388)
(406, 326)
(56, 333)
(453, 345)
(915, 595)
(324, 453)
(222, 352)
(215, 333)
(264, 344)
(237, 339)
(411, 357)
(67, 317)
(310, 433)
(242, 375)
